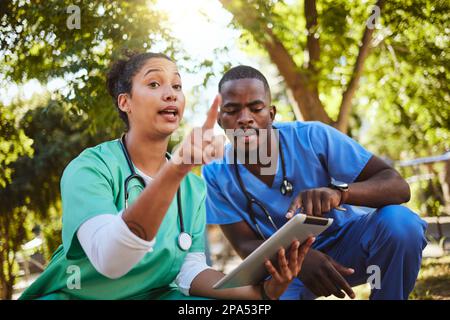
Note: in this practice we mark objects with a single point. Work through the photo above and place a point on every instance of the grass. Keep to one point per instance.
(433, 282)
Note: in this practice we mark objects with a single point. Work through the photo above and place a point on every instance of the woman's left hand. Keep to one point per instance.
(280, 280)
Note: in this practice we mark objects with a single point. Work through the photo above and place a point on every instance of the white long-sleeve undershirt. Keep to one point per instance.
(114, 250)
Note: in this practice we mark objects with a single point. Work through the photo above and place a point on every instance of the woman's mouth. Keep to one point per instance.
(170, 113)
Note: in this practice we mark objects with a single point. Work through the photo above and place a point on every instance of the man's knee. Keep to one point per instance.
(401, 225)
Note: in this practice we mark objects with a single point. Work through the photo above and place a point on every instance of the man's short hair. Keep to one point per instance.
(244, 72)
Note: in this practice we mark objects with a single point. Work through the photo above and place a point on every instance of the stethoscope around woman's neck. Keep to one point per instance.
(184, 238)
(286, 189)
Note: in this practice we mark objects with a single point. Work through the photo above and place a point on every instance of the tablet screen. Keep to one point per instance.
(252, 270)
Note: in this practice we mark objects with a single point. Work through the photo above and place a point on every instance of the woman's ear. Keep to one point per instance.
(123, 102)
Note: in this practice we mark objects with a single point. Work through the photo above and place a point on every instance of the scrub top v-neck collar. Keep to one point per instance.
(251, 181)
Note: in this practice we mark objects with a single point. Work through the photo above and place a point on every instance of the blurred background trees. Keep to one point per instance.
(40, 136)
(382, 80)
(378, 71)
(333, 53)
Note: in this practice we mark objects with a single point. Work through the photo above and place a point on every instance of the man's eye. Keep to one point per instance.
(257, 109)
(177, 87)
(153, 84)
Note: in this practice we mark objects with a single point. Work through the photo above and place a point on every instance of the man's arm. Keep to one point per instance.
(377, 185)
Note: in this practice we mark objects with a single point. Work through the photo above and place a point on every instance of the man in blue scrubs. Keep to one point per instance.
(327, 170)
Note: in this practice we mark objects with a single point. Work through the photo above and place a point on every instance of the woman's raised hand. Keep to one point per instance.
(201, 146)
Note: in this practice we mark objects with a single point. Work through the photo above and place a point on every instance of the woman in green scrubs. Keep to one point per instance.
(165, 211)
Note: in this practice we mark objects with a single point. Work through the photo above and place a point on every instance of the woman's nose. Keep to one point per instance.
(169, 94)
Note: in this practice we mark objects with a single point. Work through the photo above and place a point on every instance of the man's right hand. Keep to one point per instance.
(324, 276)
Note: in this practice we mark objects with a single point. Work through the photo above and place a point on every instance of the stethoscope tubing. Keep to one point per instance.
(251, 200)
(134, 175)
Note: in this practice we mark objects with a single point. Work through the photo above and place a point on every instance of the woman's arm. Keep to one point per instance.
(155, 199)
(110, 246)
(202, 285)
(158, 195)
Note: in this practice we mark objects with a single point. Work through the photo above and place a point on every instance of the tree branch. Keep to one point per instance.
(346, 103)
(311, 41)
(305, 94)
(304, 91)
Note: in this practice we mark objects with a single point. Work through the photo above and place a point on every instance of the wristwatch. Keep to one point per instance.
(342, 187)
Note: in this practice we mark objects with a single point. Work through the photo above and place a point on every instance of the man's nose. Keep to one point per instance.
(245, 118)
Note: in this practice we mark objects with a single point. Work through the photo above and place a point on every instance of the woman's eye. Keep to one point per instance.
(153, 84)
(177, 87)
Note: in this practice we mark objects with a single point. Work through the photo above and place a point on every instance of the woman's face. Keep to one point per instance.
(156, 104)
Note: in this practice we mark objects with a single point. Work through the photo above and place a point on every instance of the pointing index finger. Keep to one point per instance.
(211, 116)
(296, 203)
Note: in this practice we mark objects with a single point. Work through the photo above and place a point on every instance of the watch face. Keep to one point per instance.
(339, 184)
(342, 185)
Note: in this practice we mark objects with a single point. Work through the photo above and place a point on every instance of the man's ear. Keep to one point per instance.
(273, 112)
(123, 102)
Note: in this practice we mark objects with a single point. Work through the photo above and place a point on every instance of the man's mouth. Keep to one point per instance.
(245, 132)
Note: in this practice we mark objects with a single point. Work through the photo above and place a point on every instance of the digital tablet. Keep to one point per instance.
(252, 270)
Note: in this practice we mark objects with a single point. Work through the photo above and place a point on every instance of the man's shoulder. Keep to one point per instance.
(299, 125)
(217, 167)
(302, 129)
(213, 168)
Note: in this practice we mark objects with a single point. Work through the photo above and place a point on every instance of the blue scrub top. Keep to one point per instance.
(313, 153)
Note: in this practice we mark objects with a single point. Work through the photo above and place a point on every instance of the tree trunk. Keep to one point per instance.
(347, 97)
(305, 93)
(6, 283)
(6, 290)
(310, 105)
(302, 82)
(7, 277)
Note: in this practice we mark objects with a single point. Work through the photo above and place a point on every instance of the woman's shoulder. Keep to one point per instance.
(196, 185)
(99, 157)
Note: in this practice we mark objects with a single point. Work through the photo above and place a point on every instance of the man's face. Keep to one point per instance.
(246, 106)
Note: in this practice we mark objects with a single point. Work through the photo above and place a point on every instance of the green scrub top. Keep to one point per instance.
(93, 184)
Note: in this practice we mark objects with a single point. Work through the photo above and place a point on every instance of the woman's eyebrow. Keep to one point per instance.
(151, 70)
(159, 70)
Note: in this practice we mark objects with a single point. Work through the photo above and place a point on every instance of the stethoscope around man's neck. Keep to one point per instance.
(286, 189)
(184, 238)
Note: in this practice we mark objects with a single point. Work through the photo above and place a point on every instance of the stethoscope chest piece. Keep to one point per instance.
(286, 188)
(184, 241)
